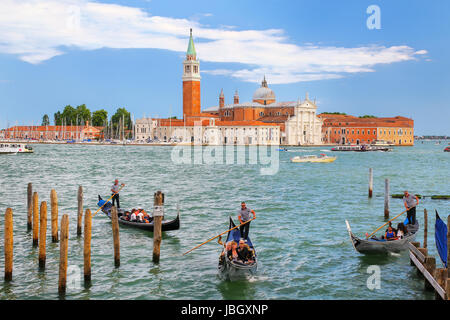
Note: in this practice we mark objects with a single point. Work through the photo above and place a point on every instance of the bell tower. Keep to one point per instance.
(191, 81)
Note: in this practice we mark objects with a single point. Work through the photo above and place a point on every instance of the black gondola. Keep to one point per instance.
(167, 225)
(234, 270)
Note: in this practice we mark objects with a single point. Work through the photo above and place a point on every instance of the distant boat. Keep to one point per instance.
(447, 149)
(313, 158)
(13, 148)
(382, 143)
(361, 148)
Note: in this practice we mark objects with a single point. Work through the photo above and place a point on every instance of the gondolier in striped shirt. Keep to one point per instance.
(115, 192)
(410, 203)
(245, 215)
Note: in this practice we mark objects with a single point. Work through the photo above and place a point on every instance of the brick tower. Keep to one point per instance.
(191, 82)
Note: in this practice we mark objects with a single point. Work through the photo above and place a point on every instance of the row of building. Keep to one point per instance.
(263, 120)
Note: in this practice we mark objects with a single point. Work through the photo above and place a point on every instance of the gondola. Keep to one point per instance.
(167, 225)
(234, 270)
(376, 245)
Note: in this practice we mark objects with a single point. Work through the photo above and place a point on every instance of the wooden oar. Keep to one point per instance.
(218, 236)
(108, 200)
(388, 223)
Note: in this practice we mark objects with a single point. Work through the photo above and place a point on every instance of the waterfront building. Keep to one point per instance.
(44, 133)
(346, 129)
(144, 129)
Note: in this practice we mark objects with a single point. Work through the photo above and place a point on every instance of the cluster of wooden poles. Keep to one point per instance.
(37, 223)
(437, 279)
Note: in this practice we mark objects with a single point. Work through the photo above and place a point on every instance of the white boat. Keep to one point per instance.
(382, 143)
(313, 158)
(7, 148)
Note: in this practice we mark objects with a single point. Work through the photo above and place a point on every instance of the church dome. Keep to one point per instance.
(264, 93)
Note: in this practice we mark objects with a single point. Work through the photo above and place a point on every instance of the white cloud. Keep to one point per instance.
(38, 30)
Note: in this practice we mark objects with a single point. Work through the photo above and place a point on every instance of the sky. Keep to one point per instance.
(115, 53)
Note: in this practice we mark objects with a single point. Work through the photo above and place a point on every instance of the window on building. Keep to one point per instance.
(195, 69)
(188, 69)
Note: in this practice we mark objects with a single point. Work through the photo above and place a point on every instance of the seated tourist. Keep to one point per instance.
(232, 253)
(227, 248)
(133, 216)
(401, 230)
(390, 234)
(140, 216)
(245, 254)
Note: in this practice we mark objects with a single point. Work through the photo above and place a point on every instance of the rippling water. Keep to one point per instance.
(300, 236)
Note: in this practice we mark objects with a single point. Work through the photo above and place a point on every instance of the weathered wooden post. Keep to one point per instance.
(87, 245)
(9, 243)
(116, 239)
(370, 182)
(42, 234)
(158, 214)
(415, 244)
(54, 221)
(63, 246)
(430, 266)
(425, 228)
(80, 209)
(35, 218)
(386, 198)
(29, 206)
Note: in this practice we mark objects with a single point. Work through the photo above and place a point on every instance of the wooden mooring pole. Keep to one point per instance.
(116, 238)
(370, 182)
(425, 228)
(87, 245)
(54, 218)
(80, 210)
(386, 198)
(9, 243)
(42, 234)
(63, 246)
(29, 206)
(158, 214)
(35, 218)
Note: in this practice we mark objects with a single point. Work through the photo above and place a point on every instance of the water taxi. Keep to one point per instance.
(361, 148)
(12, 148)
(313, 158)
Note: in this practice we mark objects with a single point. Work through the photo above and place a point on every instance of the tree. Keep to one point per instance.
(82, 114)
(367, 116)
(57, 118)
(99, 117)
(120, 114)
(69, 115)
(45, 120)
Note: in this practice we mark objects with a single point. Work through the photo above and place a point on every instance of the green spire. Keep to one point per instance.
(191, 47)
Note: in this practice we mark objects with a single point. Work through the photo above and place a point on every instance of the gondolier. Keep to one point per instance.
(410, 203)
(244, 215)
(115, 192)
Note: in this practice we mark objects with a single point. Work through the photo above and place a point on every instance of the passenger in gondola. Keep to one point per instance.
(390, 234)
(133, 216)
(140, 216)
(227, 248)
(245, 254)
(126, 216)
(401, 230)
(232, 253)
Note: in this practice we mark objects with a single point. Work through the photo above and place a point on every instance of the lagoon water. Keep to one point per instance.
(300, 235)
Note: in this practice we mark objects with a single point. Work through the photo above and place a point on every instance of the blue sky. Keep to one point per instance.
(115, 53)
